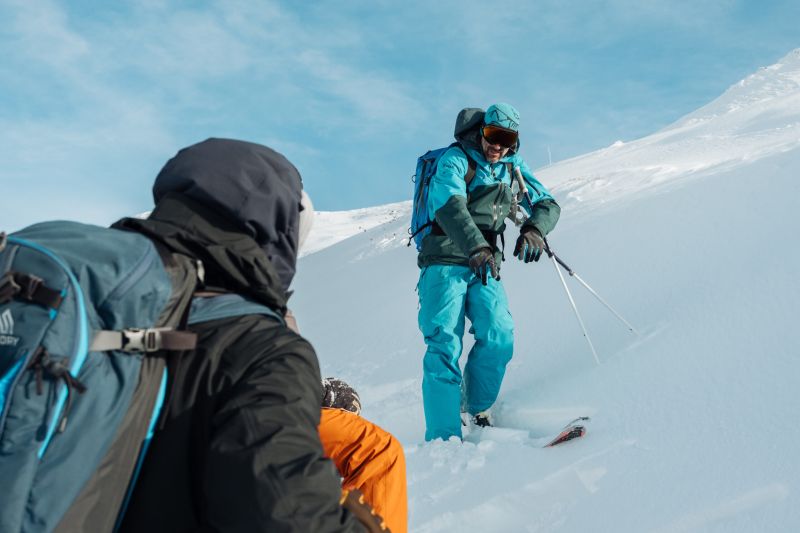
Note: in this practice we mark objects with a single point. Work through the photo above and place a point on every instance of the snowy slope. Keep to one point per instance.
(691, 234)
(756, 118)
(331, 227)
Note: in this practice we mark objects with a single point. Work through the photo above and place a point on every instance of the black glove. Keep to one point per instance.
(482, 264)
(529, 245)
(340, 395)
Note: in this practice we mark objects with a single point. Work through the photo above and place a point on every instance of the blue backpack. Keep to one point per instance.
(87, 318)
(468, 120)
(421, 221)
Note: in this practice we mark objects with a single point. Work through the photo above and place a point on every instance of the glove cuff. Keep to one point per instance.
(525, 229)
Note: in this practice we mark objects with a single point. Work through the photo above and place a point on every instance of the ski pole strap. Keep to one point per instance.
(551, 253)
(563, 264)
(28, 287)
(135, 340)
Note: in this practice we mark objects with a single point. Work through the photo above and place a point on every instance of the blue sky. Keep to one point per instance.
(95, 96)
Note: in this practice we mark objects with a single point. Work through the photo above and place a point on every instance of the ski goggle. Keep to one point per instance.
(497, 135)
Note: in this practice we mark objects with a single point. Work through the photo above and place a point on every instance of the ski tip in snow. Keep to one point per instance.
(573, 430)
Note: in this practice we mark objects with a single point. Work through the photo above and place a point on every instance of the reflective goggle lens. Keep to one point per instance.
(503, 137)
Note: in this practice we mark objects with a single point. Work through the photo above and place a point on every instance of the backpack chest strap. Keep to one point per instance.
(136, 340)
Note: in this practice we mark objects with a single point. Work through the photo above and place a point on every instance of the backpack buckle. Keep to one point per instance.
(139, 340)
(3, 240)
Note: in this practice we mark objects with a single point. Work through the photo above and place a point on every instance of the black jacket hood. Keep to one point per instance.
(232, 261)
(254, 187)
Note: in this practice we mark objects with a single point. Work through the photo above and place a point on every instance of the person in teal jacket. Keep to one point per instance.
(460, 268)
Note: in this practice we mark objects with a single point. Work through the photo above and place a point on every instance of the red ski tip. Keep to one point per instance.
(569, 433)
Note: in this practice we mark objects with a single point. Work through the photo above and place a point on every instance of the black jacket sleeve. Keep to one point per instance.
(265, 469)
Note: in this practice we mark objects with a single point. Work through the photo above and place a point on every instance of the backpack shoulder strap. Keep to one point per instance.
(228, 305)
(471, 170)
(472, 165)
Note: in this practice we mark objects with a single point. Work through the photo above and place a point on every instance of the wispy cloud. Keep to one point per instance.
(123, 89)
(369, 95)
(258, 46)
(40, 31)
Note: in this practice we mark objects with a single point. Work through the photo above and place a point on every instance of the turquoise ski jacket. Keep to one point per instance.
(467, 216)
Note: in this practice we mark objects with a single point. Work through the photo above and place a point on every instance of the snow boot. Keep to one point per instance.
(482, 420)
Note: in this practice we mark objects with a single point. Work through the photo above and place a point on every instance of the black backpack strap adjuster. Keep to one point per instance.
(28, 287)
(8, 288)
(55, 368)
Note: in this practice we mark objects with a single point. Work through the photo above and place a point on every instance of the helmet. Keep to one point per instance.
(503, 115)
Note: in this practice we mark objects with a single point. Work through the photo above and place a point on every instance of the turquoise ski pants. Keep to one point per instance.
(448, 294)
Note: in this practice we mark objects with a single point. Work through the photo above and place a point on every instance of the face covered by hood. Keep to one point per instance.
(251, 185)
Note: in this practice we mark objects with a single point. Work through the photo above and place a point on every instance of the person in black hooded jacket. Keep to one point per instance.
(237, 449)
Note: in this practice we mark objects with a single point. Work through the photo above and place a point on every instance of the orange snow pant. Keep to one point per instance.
(370, 460)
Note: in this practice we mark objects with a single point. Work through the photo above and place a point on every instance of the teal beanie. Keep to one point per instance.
(503, 115)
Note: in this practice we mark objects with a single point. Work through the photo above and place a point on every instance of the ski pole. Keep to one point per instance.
(574, 307)
(527, 197)
(566, 267)
(575, 275)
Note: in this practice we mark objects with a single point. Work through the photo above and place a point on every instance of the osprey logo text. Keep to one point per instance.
(7, 337)
(6, 323)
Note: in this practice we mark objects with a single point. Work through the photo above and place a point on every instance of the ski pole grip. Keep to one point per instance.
(547, 249)
(518, 174)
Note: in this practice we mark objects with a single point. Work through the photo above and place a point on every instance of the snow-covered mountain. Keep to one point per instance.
(754, 119)
(331, 227)
(690, 233)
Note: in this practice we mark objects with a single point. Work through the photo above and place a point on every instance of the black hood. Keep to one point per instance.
(232, 261)
(254, 187)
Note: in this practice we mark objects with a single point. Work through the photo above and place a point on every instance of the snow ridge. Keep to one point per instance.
(755, 118)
